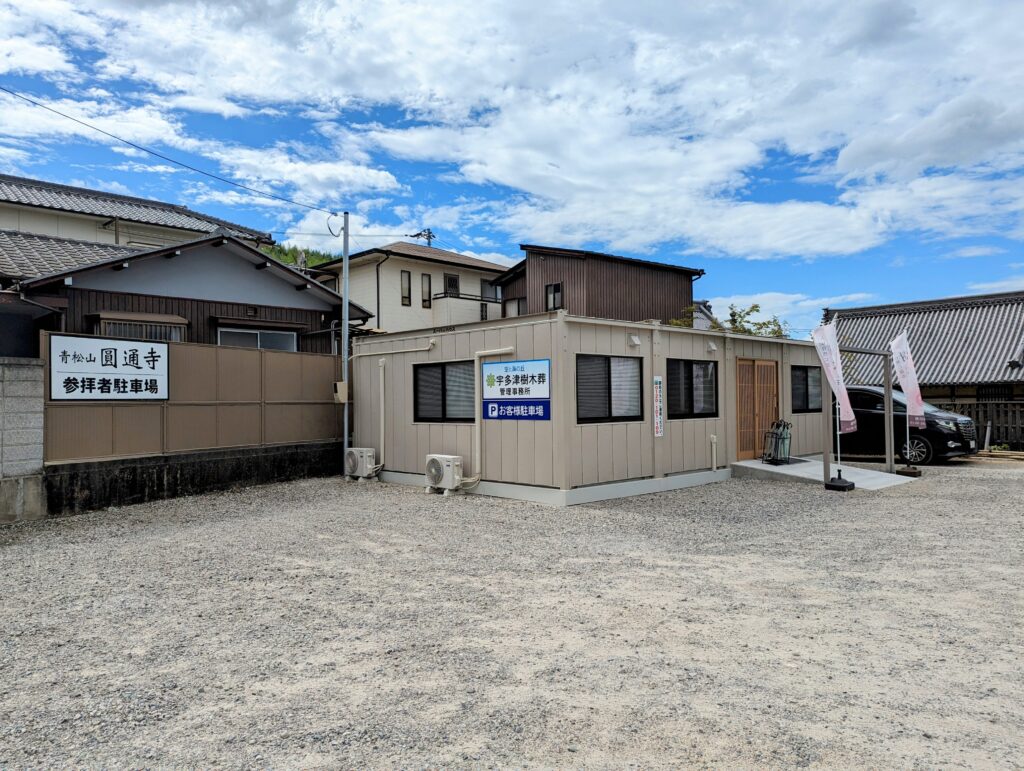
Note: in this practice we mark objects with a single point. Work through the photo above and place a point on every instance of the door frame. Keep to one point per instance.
(740, 453)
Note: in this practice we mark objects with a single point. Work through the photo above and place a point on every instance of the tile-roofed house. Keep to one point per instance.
(197, 291)
(111, 211)
(27, 255)
(956, 340)
(967, 350)
(409, 286)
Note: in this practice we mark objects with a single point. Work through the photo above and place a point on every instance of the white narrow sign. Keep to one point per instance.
(101, 369)
(659, 406)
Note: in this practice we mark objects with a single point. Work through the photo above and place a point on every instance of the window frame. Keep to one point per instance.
(806, 410)
(425, 290)
(693, 414)
(555, 291)
(639, 418)
(520, 307)
(457, 282)
(258, 332)
(443, 365)
(405, 287)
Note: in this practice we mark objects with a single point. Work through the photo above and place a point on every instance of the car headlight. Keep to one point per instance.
(950, 424)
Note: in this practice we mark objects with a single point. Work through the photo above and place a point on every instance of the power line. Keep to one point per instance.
(167, 158)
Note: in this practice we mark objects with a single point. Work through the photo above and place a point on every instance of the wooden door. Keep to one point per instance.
(757, 404)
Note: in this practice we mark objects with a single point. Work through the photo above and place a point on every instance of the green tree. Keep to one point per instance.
(739, 321)
(290, 254)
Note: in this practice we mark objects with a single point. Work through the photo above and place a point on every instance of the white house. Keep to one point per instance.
(409, 286)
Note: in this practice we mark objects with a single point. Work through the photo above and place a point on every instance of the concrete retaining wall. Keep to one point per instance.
(76, 487)
(21, 439)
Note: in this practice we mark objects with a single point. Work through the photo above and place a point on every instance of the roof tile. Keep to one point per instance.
(27, 255)
(958, 340)
(49, 195)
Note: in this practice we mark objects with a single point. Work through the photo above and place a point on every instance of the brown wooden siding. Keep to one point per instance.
(201, 315)
(630, 292)
(601, 288)
(570, 271)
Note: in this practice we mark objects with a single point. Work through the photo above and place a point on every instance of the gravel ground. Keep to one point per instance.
(323, 624)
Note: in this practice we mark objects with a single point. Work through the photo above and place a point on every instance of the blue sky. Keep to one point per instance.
(803, 154)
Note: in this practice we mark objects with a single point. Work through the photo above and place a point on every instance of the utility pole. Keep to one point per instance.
(344, 331)
(426, 233)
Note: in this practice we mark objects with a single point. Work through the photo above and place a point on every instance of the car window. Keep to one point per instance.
(862, 400)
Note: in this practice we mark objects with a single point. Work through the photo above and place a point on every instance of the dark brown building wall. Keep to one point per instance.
(201, 315)
(542, 270)
(600, 288)
(621, 290)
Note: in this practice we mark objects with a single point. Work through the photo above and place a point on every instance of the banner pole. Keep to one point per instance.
(839, 454)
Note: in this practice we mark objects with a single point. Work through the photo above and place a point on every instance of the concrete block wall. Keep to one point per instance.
(21, 439)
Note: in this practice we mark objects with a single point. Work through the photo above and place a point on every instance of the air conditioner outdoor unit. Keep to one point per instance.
(359, 462)
(444, 472)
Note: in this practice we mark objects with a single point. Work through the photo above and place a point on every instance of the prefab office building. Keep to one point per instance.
(635, 407)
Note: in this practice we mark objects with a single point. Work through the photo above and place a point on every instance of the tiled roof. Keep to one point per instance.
(48, 195)
(957, 340)
(419, 252)
(26, 255)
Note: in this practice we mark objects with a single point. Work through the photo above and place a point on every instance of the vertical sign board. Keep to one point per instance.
(517, 390)
(98, 369)
(659, 406)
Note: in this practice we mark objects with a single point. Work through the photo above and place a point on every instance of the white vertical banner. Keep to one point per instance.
(827, 343)
(903, 363)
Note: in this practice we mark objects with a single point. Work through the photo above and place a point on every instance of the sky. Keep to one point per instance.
(803, 154)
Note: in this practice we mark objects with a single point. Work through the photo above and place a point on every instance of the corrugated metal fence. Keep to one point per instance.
(1007, 420)
(218, 397)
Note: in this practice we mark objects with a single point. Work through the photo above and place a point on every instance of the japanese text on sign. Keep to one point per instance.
(517, 379)
(517, 390)
(91, 368)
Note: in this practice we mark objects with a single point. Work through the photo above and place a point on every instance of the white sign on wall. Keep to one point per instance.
(100, 369)
(659, 406)
(517, 379)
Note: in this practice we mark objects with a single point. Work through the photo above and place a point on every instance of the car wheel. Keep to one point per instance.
(920, 451)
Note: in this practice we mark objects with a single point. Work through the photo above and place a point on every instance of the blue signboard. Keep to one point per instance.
(517, 409)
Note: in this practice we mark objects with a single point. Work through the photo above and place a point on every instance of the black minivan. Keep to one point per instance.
(946, 435)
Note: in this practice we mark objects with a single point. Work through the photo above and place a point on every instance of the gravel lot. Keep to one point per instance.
(324, 624)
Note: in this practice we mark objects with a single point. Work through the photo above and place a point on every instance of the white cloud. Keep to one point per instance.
(800, 311)
(975, 251)
(1009, 284)
(630, 126)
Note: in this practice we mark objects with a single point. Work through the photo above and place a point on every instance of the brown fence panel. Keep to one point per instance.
(218, 397)
(1007, 420)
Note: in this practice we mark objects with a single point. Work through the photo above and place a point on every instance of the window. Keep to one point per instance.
(268, 339)
(444, 393)
(692, 389)
(515, 307)
(425, 289)
(553, 297)
(608, 389)
(143, 330)
(483, 311)
(806, 389)
(451, 285)
(406, 288)
(489, 291)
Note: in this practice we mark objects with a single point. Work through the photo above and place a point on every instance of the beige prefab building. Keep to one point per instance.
(719, 392)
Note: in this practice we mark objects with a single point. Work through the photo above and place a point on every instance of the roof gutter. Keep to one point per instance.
(387, 256)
